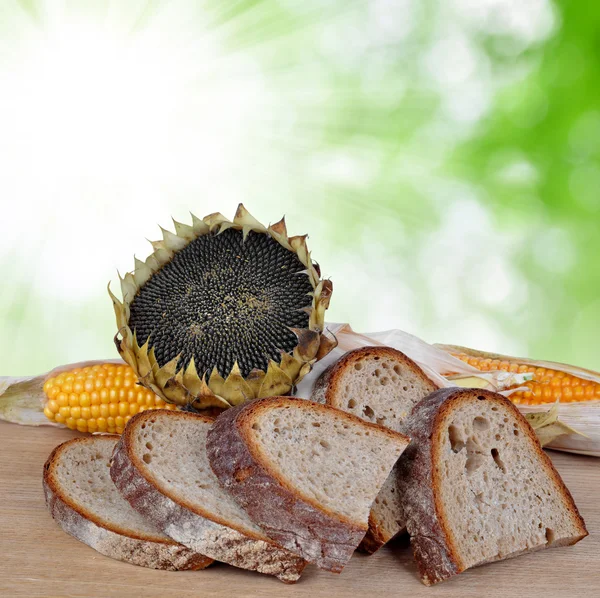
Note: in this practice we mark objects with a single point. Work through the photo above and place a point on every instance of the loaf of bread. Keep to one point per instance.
(161, 468)
(85, 503)
(476, 487)
(305, 473)
(380, 385)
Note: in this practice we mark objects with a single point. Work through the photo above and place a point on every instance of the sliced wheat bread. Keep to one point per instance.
(381, 385)
(160, 466)
(306, 473)
(476, 486)
(83, 500)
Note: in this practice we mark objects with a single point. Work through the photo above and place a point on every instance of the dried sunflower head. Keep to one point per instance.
(223, 312)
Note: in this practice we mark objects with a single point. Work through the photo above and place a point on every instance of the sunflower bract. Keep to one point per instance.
(223, 312)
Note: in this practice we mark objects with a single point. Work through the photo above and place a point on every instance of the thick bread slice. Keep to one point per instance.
(477, 487)
(85, 503)
(381, 385)
(378, 384)
(160, 466)
(306, 473)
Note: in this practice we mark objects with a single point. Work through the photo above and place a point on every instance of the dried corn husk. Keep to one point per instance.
(22, 399)
(436, 363)
(547, 425)
(573, 427)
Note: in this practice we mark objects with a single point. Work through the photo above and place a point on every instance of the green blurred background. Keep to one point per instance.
(444, 157)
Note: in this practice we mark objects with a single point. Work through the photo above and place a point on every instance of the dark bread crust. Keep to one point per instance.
(415, 471)
(321, 386)
(327, 389)
(189, 524)
(375, 537)
(295, 521)
(432, 536)
(112, 541)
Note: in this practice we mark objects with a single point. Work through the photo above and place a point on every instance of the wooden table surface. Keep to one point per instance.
(38, 559)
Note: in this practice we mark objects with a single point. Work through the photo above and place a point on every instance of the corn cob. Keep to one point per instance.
(91, 396)
(98, 398)
(547, 386)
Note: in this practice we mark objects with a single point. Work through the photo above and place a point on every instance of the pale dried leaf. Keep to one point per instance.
(547, 425)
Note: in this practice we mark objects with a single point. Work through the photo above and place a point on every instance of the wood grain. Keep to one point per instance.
(38, 559)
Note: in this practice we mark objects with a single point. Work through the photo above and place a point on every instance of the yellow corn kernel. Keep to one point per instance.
(100, 398)
(84, 399)
(547, 386)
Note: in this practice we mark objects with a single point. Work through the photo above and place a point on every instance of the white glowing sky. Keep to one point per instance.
(103, 129)
(112, 123)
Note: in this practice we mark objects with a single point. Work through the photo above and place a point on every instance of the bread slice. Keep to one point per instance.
(381, 385)
(160, 466)
(476, 486)
(306, 473)
(85, 503)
